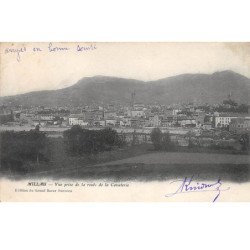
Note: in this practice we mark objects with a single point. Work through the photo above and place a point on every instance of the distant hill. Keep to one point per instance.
(209, 88)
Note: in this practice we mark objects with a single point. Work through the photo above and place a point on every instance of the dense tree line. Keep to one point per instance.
(233, 107)
(83, 141)
(18, 147)
(226, 106)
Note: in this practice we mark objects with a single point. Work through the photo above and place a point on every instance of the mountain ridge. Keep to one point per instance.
(206, 88)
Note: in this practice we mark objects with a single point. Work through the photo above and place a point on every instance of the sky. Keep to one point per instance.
(26, 67)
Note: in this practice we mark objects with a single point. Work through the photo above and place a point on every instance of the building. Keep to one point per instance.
(135, 122)
(95, 114)
(168, 112)
(110, 122)
(109, 115)
(27, 118)
(207, 126)
(77, 119)
(166, 123)
(199, 117)
(223, 120)
(45, 117)
(154, 121)
(137, 113)
(240, 125)
(99, 123)
(186, 121)
(176, 111)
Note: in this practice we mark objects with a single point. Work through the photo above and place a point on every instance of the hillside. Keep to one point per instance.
(210, 88)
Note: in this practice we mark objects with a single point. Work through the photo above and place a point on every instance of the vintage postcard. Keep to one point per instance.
(124, 122)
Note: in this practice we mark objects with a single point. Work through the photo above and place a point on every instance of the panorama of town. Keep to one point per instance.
(219, 124)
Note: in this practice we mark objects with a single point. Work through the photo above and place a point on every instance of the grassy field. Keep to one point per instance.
(160, 166)
(58, 161)
(139, 163)
(184, 158)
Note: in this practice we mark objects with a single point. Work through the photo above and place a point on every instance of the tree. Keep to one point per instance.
(83, 141)
(230, 102)
(207, 118)
(134, 139)
(110, 137)
(244, 140)
(156, 138)
(242, 108)
(166, 142)
(73, 139)
(18, 147)
(189, 136)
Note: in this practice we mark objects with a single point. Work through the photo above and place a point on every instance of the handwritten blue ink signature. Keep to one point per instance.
(188, 185)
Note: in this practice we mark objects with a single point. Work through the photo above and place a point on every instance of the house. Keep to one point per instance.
(207, 126)
(43, 119)
(199, 117)
(186, 121)
(95, 114)
(134, 137)
(126, 122)
(99, 123)
(109, 114)
(223, 120)
(167, 121)
(168, 112)
(176, 111)
(46, 117)
(135, 122)
(73, 120)
(27, 118)
(77, 119)
(110, 122)
(137, 113)
(154, 121)
(240, 125)
(102, 123)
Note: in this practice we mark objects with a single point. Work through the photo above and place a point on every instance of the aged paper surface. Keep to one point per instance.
(124, 121)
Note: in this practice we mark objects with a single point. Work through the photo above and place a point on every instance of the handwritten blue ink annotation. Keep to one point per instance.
(85, 48)
(35, 49)
(56, 49)
(188, 186)
(51, 48)
(17, 51)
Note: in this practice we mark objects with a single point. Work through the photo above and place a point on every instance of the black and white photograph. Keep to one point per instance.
(139, 121)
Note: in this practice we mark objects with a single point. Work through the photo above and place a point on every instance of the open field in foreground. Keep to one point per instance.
(160, 166)
(184, 158)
